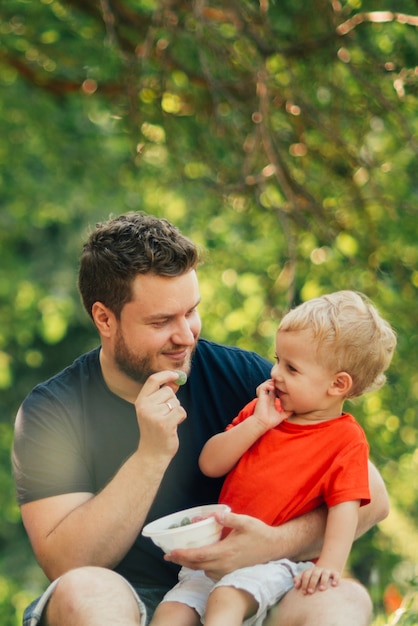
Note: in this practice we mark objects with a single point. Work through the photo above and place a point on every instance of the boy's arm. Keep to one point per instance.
(340, 531)
(223, 451)
(299, 539)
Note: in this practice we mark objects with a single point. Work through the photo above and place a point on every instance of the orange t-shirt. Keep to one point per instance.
(294, 468)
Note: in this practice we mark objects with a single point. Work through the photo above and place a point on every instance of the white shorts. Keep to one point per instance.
(267, 583)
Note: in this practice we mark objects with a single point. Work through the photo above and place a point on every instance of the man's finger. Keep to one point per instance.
(157, 380)
(232, 520)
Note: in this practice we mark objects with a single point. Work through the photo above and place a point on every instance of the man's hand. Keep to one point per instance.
(159, 413)
(248, 542)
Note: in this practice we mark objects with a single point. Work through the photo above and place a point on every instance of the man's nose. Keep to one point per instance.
(183, 334)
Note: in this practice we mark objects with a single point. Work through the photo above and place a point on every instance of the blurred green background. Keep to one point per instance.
(282, 136)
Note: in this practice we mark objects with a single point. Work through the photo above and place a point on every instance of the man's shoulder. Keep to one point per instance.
(222, 380)
(239, 362)
(231, 353)
(80, 369)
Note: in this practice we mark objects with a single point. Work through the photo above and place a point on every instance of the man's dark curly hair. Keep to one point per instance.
(123, 247)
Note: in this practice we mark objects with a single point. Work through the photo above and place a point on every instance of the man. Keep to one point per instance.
(112, 443)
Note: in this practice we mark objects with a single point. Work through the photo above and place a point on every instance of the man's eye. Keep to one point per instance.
(159, 324)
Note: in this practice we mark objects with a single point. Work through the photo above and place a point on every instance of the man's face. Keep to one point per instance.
(159, 328)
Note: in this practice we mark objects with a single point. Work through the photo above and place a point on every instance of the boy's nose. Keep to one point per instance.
(275, 371)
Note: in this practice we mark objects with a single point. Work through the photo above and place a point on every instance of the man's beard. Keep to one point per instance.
(138, 368)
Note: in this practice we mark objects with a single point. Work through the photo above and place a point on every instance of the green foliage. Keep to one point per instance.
(279, 136)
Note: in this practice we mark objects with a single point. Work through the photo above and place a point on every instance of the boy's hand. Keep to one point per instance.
(268, 411)
(316, 578)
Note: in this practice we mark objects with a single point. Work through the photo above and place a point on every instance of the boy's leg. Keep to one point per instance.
(174, 614)
(346, 605)
(229, 605)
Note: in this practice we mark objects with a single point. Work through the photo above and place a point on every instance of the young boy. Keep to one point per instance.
(291, 450)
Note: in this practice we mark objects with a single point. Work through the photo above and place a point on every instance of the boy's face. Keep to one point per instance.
(302, 382)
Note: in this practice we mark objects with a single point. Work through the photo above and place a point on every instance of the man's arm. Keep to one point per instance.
(300, 539)
(305, 542)
(378, 509)
(76, 529)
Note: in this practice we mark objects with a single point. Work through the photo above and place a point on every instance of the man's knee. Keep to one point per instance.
(349, 604)
(87, 581)
(85, 593)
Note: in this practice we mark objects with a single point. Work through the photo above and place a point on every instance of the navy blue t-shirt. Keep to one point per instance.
(72, 434)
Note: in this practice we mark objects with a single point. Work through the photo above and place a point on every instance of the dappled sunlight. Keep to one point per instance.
(282, 141)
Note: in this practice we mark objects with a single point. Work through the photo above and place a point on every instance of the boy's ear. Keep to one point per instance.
(340, 384)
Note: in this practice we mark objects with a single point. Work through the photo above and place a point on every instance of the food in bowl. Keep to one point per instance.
(190, 528)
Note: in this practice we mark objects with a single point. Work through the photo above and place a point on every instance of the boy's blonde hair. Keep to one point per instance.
(351, 336)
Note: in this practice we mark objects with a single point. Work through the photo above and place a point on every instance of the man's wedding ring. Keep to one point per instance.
(170, 408)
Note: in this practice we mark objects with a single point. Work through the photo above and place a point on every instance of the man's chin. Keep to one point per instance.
(183, 365)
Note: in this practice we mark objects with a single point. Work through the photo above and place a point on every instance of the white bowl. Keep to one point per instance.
(193, 535)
